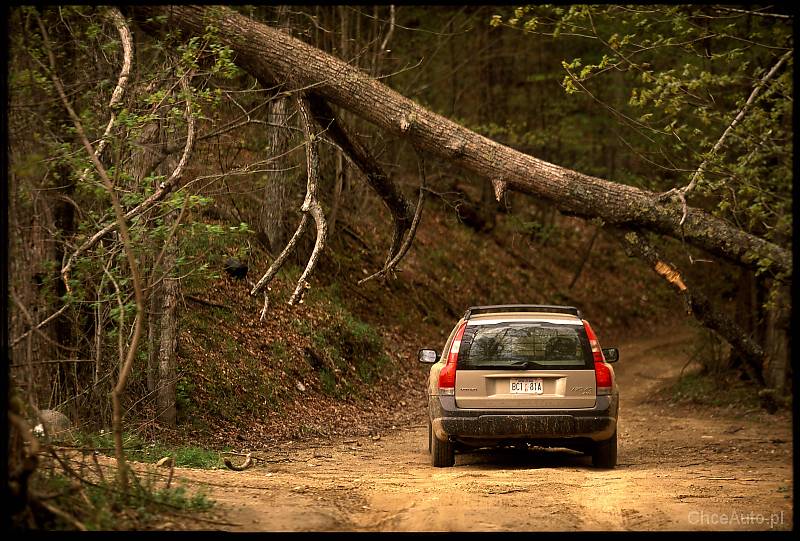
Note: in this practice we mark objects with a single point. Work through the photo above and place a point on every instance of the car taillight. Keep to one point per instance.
(603, 373)
(447, 376)
(597, 351)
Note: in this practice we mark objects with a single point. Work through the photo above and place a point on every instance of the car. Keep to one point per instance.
(522, 375)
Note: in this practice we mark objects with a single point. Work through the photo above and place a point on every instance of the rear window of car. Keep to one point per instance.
(525, 345)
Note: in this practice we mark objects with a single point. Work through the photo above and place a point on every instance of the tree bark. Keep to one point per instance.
(155, 299)
(276, 206)
(168, 344)
(271, 55)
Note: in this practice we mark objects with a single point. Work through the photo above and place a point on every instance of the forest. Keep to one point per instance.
(230, 229)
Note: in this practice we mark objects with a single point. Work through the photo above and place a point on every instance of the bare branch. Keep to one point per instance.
(409, 239)
(264, 308)
(281, 259)
(52, 316)
(391, 29)
(310, 205)
(322, 230)
(758, 13)
(163, 190)
(122, 81)
(376, 177)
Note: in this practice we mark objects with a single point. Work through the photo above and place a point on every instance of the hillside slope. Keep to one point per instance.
(344, 361)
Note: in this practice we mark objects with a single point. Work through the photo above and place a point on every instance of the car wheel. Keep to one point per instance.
(430, 435)
(442, 453)
(604, 454)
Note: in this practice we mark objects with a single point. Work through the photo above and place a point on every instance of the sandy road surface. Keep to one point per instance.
(679, 468)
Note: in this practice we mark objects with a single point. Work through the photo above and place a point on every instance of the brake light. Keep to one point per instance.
(603, 373)
(447, 376)
(603, 377)
(597, 351)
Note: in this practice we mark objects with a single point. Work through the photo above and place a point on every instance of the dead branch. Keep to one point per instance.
(756, 13)
(248, 461)
(385, 41)
(697, 303)
(311, 204)
(122, 81)
(281, 259)
(29, 318)
(264, 307)
(44, 322)
(409, 239)
(376, 177)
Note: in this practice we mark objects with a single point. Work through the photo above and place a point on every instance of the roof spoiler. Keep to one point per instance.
(473, 310)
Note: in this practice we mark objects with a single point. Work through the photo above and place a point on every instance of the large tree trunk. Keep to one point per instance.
(271, 55)
(144, 161)
(276, 206)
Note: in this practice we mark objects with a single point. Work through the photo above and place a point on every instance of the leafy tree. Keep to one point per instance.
(706, 101)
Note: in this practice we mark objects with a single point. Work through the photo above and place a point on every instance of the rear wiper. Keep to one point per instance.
(523, 364)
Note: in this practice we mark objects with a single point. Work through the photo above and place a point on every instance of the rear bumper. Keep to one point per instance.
(452, 423)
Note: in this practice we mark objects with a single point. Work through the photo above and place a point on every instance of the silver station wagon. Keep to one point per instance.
(522, 375)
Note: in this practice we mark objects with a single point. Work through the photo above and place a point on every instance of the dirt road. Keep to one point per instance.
(679, 468)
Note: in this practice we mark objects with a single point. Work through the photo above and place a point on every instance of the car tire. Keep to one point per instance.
(604, 454)
(442, 453)
(430, 435)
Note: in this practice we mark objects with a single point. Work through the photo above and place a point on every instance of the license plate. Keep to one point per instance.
(527, 386)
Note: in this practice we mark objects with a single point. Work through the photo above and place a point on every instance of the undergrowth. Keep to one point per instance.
(708, 389)
(99, 504)
(138, 450)
(347, 354)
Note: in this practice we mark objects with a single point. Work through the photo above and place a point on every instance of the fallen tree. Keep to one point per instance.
(271, 55)
(275, 58)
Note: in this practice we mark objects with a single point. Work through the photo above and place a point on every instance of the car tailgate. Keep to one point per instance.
(551, 389)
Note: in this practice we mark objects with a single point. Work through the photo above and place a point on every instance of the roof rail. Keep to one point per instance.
(473, 310)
